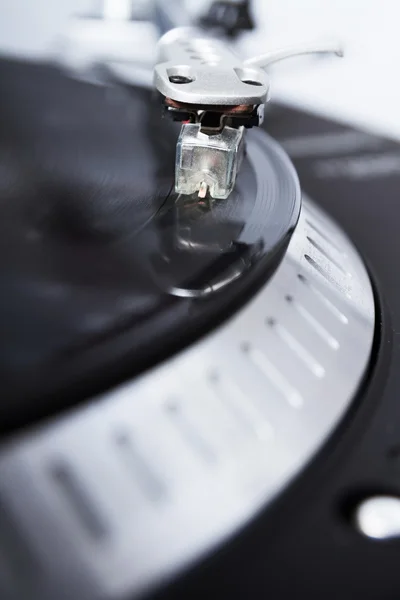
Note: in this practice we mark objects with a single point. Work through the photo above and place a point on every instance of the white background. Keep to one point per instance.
(364, 86)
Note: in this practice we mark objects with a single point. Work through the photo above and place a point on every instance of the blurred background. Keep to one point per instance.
(363, 89)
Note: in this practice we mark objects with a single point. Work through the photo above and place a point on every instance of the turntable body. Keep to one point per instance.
(218, 390)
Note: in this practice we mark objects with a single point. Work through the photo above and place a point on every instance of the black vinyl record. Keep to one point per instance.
(104, 269)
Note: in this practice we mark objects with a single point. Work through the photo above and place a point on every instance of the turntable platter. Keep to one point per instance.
(105, 273)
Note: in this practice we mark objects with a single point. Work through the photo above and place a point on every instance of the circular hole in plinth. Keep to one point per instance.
(251, 82)
(181, 74)
(251, 76)
(180, 79)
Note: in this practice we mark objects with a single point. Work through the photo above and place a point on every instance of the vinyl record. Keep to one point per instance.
(102, 264)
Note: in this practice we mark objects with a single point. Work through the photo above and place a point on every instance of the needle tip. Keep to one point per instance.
(203, 189)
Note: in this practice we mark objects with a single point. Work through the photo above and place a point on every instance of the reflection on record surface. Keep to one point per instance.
(99, 257)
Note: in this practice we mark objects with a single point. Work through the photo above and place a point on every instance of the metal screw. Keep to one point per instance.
(180, 79)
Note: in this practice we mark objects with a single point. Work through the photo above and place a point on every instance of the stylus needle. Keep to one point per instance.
(203, 189)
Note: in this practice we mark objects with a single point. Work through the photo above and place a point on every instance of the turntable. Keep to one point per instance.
(199, 390)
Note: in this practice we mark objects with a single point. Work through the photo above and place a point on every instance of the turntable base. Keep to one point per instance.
(170, 476)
